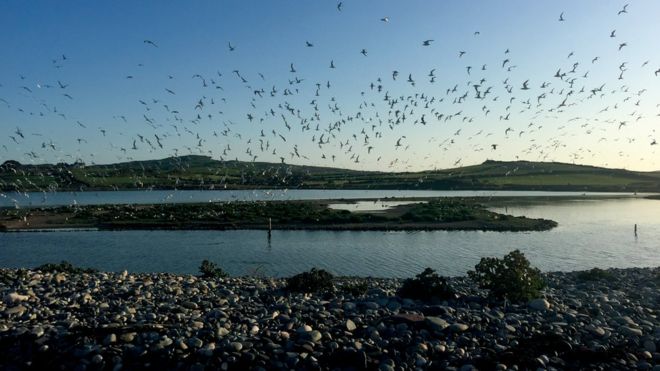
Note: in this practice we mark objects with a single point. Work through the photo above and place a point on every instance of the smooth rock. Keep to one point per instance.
(458, 327)
(539, 304)
(14, 297)
(436, 323)
(17, 310)
(236, 346)
(315, 335)
(650, 346)
(629, 331)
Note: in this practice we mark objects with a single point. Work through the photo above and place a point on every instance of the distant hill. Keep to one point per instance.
(203, 172)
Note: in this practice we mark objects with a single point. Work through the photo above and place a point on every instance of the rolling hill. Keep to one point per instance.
(203, 172)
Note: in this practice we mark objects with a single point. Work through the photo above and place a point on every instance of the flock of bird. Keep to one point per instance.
(395, 108)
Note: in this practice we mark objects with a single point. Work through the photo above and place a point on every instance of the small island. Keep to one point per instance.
(430, 214)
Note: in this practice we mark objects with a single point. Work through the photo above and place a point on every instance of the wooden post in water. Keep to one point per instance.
(270, 227)
(635, 230)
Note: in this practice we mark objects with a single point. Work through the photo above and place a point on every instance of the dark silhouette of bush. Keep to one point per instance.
(211, 270)
(64, 267)
(426, 286)
(510, 278)
(315, 280)
(355, 288)
(594, 274)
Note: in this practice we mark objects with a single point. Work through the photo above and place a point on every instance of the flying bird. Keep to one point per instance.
(427, 42)
(150, 43)
(561, 17)
(624, 10)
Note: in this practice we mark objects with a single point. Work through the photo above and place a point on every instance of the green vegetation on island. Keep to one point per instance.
(436, 214)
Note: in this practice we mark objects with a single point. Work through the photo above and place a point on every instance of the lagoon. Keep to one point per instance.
(591, 233)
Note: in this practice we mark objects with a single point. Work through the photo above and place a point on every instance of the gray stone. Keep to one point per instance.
(15, 297)
(17, 310)
(315, 335)
(599, 331)
(458, 327)
(97, 359)
(630, 331)
(539, 304)
(650, 346)
(221, 332)
(350, 325)
(436, 323)
(110, 339)
(236, 346)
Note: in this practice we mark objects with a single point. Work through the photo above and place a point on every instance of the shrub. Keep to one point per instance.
(64, 267)
(594, 274)
(211, 270)
(426, 286)
(509, 278)
(316, 280)
(355, 288)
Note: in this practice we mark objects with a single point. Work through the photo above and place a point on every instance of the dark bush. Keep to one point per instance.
(594, 274)
(426, 286)
(355, 288)
(509, 278)
(316, 280)
(211, 270)
(64, 267)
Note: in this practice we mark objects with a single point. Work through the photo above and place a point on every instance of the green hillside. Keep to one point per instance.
(203, 172)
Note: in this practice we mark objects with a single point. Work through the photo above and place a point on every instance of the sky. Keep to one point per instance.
(113, 81)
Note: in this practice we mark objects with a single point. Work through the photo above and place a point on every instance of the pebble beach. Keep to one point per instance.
(123, 321)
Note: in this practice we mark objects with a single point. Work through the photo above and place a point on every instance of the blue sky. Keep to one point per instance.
(97, 51)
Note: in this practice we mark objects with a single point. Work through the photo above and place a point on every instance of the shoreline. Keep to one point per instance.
(110, 320)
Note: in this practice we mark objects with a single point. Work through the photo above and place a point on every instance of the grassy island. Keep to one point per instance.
(435, 214)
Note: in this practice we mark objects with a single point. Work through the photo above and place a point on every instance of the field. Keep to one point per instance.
(202, 172)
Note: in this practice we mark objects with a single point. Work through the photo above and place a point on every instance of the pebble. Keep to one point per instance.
(436, 323)
(14, 297)
(629, 331)
(16, 310)
(458, 327)
(539, 304)
(236, 346)
(315, 335)
(650, 346)
(153, 318)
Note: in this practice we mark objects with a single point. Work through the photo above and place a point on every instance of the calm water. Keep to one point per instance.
(590, 233)
(35, 199)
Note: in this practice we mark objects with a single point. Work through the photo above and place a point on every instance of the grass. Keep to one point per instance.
(202, 172)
